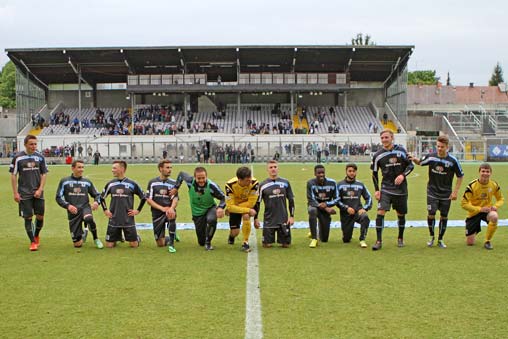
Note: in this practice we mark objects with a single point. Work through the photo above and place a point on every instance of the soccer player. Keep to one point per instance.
(121, 213)
(72, 194)
(350, 193)
(28, 177)
(395, 166)
(477, 201)
(442, 168)
(274, 192)
(205, 212)
(241, 197)
(163, 204)
(321, 200)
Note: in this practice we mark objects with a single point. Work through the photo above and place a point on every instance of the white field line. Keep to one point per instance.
(253, 319)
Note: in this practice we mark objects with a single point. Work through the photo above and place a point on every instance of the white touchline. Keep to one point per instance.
(253, 319)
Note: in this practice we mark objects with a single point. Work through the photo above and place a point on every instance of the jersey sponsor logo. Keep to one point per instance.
(276, 191)
(119, 191)
(163, 192)
(76, 189)
(322, 195)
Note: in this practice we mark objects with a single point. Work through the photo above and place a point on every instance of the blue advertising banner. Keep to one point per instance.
(499, 152)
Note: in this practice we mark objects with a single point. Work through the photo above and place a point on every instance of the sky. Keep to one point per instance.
(465, 38)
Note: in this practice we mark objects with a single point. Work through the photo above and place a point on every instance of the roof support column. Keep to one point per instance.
(238, 104)
(291, 95)
(79, 90)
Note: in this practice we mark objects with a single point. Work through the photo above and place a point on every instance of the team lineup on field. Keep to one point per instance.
(244, 195)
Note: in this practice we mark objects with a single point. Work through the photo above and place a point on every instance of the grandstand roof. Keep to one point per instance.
(113, 64)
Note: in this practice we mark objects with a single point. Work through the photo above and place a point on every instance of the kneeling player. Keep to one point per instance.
(241, 197)
(163, 204)
(274, 192)
(72, 194)
(477, 200)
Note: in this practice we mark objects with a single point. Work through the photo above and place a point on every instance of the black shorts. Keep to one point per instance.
(473, 224)
(114, 234)
(235, 220)
(159, 225)
(29, 207)
(76, 221)
(399, 202)
(434, 205)
(283, 235)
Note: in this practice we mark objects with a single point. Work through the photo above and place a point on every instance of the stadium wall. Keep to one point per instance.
(364, 97)
(110, 98)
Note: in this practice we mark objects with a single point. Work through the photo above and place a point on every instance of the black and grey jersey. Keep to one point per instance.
(29, 168)
(392, 163)
(441, 173)
(350, 195)
(122, 193)
(76, 191)
(274, 193)
(159, 190)
(324, 192)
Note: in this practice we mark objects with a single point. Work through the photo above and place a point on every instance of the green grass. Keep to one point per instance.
(334, 291)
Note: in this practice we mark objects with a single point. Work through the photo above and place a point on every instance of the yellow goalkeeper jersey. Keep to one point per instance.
(478, 195)
(241, 199)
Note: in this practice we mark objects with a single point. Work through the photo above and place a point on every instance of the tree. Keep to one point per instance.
(427, 77)
(448, 81)
(497, 76)
(359, 40)
(8, 86)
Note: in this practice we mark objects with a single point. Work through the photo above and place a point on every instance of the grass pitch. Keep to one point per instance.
(335, 291)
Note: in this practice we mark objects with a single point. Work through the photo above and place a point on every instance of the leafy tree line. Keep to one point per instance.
(8, 86)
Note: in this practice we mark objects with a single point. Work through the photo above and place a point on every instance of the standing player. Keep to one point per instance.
(121, 213)
(241, 197)
(442, 168)
(321, 200)
(163, 204)
(351, 209)
(395, 166)
(477, 201)
(274, 192)
(72, 194)
(29, 166)
(205, 212)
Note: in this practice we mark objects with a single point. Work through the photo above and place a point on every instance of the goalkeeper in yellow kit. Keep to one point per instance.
(241, 196)
(477, 200)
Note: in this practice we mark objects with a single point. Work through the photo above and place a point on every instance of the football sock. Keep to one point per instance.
(380, 221)
(38, 226)
(29, 229)
(92, 226)
(491, 229)
(442, 227)
(431, 222)
(210, 231)
(402, 225)
(313, 227)
(246, 230)
(364, 227)
(172, 231)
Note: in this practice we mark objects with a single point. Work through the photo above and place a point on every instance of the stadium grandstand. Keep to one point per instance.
(212, 103)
